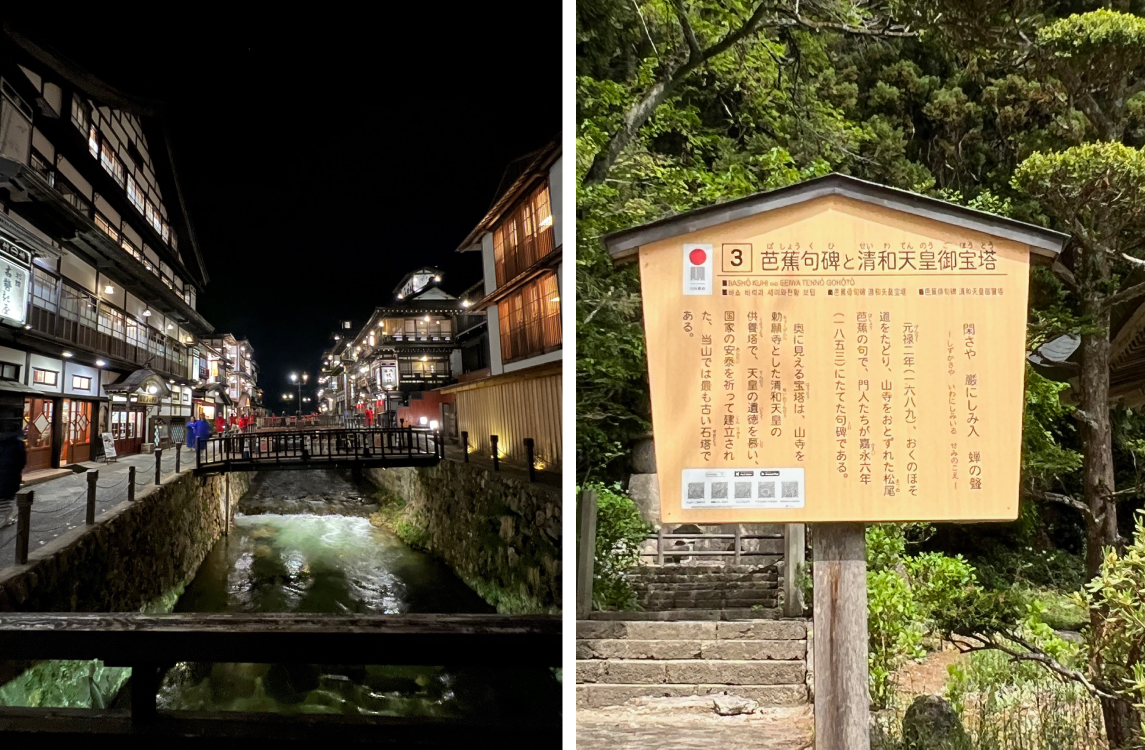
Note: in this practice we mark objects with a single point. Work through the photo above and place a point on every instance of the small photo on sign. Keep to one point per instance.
(743, 488)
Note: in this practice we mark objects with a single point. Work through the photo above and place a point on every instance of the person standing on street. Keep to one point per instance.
(12, 460)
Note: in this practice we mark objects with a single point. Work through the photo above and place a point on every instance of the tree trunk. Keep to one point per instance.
(634, 119)
(1122, 723)
(1097, 442)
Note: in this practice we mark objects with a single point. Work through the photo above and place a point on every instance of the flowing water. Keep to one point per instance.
(303, 542)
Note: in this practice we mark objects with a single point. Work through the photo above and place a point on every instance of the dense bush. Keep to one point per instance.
(906, 594)
(619, 531)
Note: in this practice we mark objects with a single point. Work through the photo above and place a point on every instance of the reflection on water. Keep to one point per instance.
(307, 559)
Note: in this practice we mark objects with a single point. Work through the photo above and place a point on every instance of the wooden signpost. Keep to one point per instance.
(837, 353)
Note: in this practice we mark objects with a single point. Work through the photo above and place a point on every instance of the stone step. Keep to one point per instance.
(703, 583)
(700, 570)
(652, 630)
(620, 648)
(708, 593)
(690, 671)
(654, 603)
(598, 695)
(726, 614)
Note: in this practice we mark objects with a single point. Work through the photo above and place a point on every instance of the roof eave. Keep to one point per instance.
(1045, 244)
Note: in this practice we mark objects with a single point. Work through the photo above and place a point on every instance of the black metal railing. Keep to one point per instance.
(315, 447)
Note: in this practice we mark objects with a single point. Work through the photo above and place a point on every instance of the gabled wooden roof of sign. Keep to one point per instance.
(1045, 244)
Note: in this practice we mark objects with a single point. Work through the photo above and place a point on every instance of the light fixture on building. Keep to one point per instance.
(426, 318)
(109, 289)
(152, 390)
(401, 296)
(424, 358)
(28, 327)
(465, 303)
(423, 420)
(437, 278)
(100, 363)
(169, 326)
(68, 355)
(433, 424)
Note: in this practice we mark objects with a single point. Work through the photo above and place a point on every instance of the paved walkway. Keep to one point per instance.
(61, 504)
(691, 724)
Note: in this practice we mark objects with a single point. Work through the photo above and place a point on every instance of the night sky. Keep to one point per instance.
(322, 159)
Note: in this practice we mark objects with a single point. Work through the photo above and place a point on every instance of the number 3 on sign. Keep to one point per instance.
(736, 258)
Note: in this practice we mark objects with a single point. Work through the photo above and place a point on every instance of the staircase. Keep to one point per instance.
(708, 592)
(765, 660)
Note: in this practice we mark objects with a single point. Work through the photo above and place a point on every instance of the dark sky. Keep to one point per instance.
(324, 158)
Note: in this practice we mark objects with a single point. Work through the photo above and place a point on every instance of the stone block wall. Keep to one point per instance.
(133, 554)
(500, 533)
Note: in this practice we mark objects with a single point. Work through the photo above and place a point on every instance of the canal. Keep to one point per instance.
(302, 541)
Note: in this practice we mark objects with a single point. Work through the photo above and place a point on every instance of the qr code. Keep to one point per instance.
(791, 489)
(698, 273)
(695, 490)
(719, 489)
(743, 490)
(767, 489)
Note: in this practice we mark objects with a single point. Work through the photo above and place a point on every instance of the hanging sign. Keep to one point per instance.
(14, 275)
(837, 358)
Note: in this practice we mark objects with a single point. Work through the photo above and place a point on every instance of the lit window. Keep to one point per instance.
(524, 237)
(530, 320)
(166, 232)
(44, 377)
(80, 383)
(106, 226)
(134, 194)
(80, 115)
(93, 141)
(111, 162)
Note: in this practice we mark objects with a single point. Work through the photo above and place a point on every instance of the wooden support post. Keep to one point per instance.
(738, 542)
(465, 444)
(794, 547)
(529, 445)
(23, 525)
(586, 552)
(158, 465)
(92, 478)
(842, 696)
(130, 484)
(144, 688)
(178, 454)
(496, 458)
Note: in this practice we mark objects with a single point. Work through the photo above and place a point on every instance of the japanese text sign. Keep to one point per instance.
(836, 360)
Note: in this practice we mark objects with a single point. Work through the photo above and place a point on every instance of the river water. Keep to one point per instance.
(303, 542)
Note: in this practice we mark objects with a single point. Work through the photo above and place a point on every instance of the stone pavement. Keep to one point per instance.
(60, 504)
(691, 723)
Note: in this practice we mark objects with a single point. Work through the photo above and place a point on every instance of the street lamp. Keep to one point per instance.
(299, 380)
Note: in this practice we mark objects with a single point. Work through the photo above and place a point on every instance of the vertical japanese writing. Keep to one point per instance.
(861, 339)
(974, 457)
(952, 407)
(707, 434)
(776, 380)
(687, 320)
(910, 413)
(864, 412)
(753, 334)
(840, 361)
(799, 390)
(753, 378)
(730, 419)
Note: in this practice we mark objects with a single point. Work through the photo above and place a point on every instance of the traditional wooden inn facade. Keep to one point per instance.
(99, 268)
(399, 358)
(232, 373)
(519, 395)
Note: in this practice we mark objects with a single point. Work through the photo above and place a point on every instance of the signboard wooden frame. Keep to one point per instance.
(836, 351)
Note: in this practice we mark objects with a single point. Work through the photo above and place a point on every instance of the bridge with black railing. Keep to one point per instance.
(284, 450)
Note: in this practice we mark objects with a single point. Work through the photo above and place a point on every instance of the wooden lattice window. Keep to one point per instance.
(530, 319)
(524, 236)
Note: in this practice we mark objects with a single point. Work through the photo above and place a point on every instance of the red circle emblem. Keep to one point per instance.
(697, 257)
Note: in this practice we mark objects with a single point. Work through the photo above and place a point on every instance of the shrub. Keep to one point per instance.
(620, 529)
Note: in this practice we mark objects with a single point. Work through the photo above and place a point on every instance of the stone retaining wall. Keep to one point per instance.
(500, 533)
(132, 555)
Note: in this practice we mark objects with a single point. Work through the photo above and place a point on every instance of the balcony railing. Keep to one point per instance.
(45, 318)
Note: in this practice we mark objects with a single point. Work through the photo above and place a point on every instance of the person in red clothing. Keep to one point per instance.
(369, 417)
(220, 423)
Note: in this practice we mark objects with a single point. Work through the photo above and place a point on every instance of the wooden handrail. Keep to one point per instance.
(131, 638)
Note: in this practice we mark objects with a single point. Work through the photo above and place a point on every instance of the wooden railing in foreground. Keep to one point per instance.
(151, 643)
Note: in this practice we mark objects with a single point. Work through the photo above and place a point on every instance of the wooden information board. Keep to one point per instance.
(835, 360)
